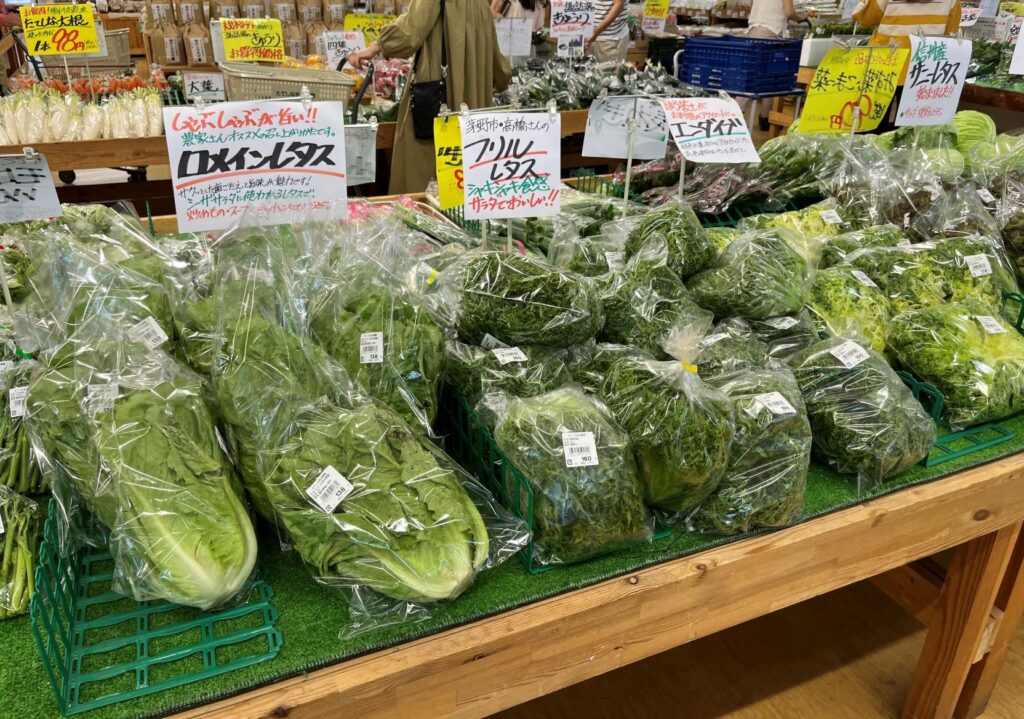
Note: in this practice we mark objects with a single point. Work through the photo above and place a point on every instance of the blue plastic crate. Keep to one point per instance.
(741, 64)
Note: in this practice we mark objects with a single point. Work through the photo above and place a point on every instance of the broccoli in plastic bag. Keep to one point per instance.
(864, 420)
(764, 484)
(681, 429)
(519, 371)
(21, 531)
(973, 356)
(847, 303)
(731, 346)
(690, 250)
(587, 497)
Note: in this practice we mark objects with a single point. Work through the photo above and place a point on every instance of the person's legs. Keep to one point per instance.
(603, 50)
(763, 33)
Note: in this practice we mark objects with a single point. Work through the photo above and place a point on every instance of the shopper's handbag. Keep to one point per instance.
(426, 98)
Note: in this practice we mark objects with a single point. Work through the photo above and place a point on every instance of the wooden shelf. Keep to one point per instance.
(93, 154)
(993, 97)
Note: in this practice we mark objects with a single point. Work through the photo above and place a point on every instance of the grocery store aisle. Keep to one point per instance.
(846, 655)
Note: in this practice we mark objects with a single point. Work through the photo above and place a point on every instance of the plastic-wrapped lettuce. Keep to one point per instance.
(786, 335)
(518, 371)
(838, 247)
(21, 521)
(760, 275)
(647, 306)
(722, 237)
(593, 255)
(589, 363)
(675, 225)
(955, 213)
(767, 474)
(680, 428)
(972, 355)
(587, 498)
(522, 301)
(864, 420)
(823, 219)
(19, 269)
(731, 346)
(848, 303)
(18, 467)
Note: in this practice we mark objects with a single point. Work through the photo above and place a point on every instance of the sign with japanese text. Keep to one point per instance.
(512, 163)
(369, 24)
(570, 18)
(207, 85)
(848, 7)
(935, 79)
(709, 129)
(1012, 8)
(278, 158)
(60, 29)
(969, 16)
(607, 132)
(571, 46)
(1014, 30)
(26, 189)
(448, 162)
(655, 15)
(1017, 59)
(514, 36)
(992, 29)
(248, 40)
(338, 45)
(852, 85)
(989, 8)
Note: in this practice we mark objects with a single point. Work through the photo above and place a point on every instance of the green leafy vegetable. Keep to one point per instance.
(690, 250)
(475, 371)
(22, 522)
(849, 304)
(589, 364)
(786, 335)
(730, 347)
(837, 248)
(18, 467)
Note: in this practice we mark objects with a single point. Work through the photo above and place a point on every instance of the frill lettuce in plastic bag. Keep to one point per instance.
(767, 474)
(846, 302)
(674, 226)
(824, 219)
(864, 420)
(473, 371)
(589, 363)
(762, 274)
(681, 429)
(786, 335)
(955, 213)
(589, 256)
(21, 532)
(788, 163)
(18, 268)
(18, 467)
(837, 248)
(722, 237)
(975, 358)
(587, 497)
(521, 301)
(731, 346)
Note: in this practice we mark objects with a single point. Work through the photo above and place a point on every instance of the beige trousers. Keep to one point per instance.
(609, 50)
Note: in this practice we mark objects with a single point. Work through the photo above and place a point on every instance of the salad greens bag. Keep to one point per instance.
(787, 335)
(837, 248)
(848, 303)
(973, 356)
(767, 474)
(864, 420)
(18, 467)
(676, 227)
(473, 372)
(819, 220)
(587, 497)
(21, 532)
(589, 363)
(681, 429)
(730, 347)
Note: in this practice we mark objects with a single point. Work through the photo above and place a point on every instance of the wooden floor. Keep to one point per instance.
(846, 655)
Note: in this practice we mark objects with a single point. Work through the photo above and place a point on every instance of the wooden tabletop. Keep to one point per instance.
(481, 668)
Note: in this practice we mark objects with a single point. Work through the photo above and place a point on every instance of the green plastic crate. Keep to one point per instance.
(1013, 309)
(960, 444)
(926, 393)
(99, 647)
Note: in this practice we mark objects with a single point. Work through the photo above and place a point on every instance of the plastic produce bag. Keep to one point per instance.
(589, 256)
(864, 420)
(824, 219)
(589, 363)
(764, 484)
(680, 428)
(760, 275)
(18, 467)
(473, 372)
(955, 213)
(837, 248)
(21, 532)
(786, 335)
(579, 466)
(730, 346)
(676, 226)
(973, 356)
(848, 303)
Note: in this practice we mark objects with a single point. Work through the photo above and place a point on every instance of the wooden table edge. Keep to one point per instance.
(489, 665)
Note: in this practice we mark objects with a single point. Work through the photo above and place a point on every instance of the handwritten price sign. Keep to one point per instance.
(247, 40)
(935, 79)
(448, 162)
(655, 14)
(26, 189)
(367, 23)
(338, 45)
(570, 18)
(852, 85)
(59, 29)
(275, 157)
(709, 129)
(512, 162)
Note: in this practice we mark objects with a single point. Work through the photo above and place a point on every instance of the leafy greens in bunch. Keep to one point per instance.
(675, 225)
(22, 520)
(849, 304)
(474, 371)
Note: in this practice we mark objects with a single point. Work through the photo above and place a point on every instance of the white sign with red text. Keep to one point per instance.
(935, 78)
(709, 129)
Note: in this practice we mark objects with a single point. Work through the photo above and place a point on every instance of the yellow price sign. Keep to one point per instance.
(1013, 8)
(368, 24)
(656, 8)
(249, 40)
(59, 29)
(852, 86)
(448, 162)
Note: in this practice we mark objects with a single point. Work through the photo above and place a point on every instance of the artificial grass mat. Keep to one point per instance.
(312, 616)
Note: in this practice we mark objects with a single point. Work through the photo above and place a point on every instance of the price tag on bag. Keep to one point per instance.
(616, 261)
(329, 489)
(863, 279)
(978, 265)
(17, 398)
(775, 403)
(100, 398)
(990, 324)
(507, 355)
(712, 339)
(850, 354)
(831, 217)
(371, 348)
(148, 332)
(26, 189)
(782, 323)
(580, 449)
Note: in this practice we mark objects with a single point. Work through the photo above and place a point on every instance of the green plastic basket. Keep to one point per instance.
(1013, 309)
(960, 444)
(99, 647)
(930, 397)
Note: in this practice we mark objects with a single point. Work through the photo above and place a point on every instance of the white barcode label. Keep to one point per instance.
(337, 12)
(863, 279)
(148, 332)
(310, 13)
(253, 12)
(850, 354)
(198, 50)
(990, 324)
(579, 448)
(16, 401)
(831, 217)
(985, 195)
(782, 323)
(161, 13)
(775, 403)
(978, 265)
(371, 348)
(506, 355)
(6, 366)
(490, 342)
(329, 489)
(100, 398)
(230, 11)
(616, 261)
(712, 339)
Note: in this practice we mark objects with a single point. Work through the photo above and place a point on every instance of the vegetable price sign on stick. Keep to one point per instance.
(248, 40)
(281, 159)
(709, 129)
(514, 36)
(655, 15)
(512, 163)
(26, 189)
(935, 79)
(369, 24)
(448, 162)
(572, 18)
(60, 29)
(606, 128)
(850, 83)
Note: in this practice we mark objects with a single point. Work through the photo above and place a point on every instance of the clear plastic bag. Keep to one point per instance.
(680, 428)
(589, 256)
(864, 420)
(473, 372)
(786, 335)
(729, 347)
(847, 303)
(838, 248)
(589, 364)
(19, 470)
(957, 212)
(767, 475)
(823, 219)
(675, 226)
(973, 356)
(587, 498)
(21, 532)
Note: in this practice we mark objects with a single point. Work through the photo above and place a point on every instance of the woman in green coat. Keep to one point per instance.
(475, 68)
